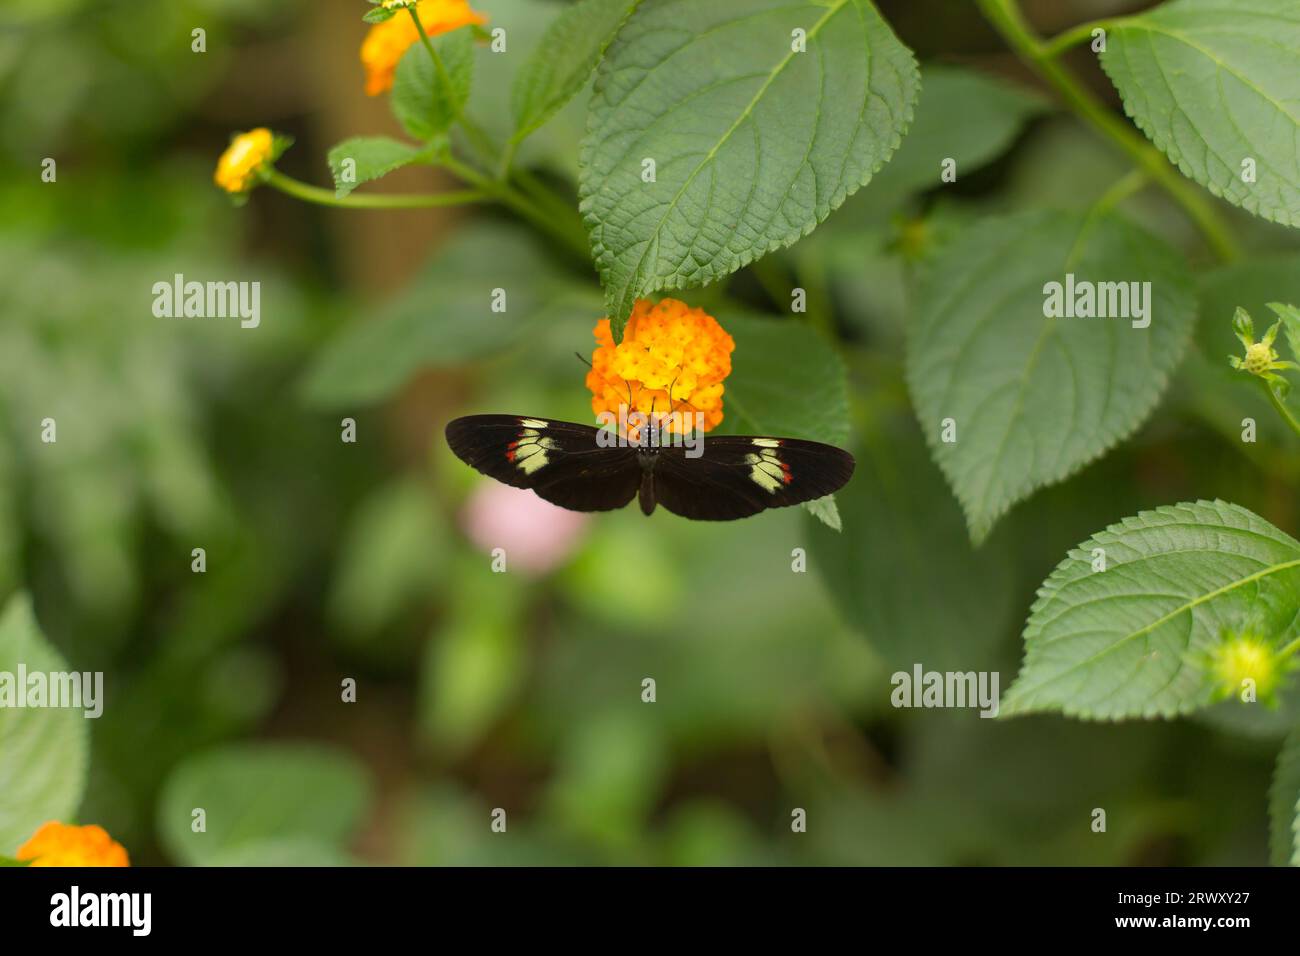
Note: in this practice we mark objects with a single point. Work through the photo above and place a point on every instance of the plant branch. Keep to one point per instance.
(1279, 405)
(443, 76)
(1074, 36)
(1007, 19)
(482, 142)
(544, 195)
(1132, 182)
(327, 197)
(573, 236)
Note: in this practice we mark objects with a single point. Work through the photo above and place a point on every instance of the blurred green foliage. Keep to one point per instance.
(477, 691)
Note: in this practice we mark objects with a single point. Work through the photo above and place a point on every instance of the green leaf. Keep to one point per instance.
(256, 792)
(426, 100)
(43, 750)
(1206, 383)
(372, 157)
(378, 15)
(10, 861)
(1284, 805)
(788, 382)
(754, 144)
(826, 511)
(903, 528)
(443, 318)
(564, 60)
(492, 100)
(1290, 318)
(1131, 640)
(1213, 84)
(1033, 399)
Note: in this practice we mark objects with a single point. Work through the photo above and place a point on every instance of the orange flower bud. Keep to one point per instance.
(386, 42)
(62, 844)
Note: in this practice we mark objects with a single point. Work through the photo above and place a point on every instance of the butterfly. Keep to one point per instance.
(580, 468)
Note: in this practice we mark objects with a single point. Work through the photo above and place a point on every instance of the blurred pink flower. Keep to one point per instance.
(537, 536)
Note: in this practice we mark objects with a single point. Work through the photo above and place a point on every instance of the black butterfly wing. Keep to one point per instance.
(560, 461)
(738, 476)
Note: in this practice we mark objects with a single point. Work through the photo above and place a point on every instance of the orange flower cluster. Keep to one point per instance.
(61, 844)
(386, 42)
(667, 347)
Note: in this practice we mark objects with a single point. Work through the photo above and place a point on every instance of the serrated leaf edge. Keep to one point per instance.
(979, 531)
(1166, 146)
(1048, 589)
(754, 252)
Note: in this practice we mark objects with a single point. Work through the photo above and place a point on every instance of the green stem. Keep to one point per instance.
(478, 137)
(482, 142)
(326, 197)
(507, 159)
(1279, 405)
(1074, 36)
(1131, 183)
(1288, 650)
(574, 239)
(1007, 19)
(428, 45)
(543, 195)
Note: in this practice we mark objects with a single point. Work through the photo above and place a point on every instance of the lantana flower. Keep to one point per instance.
(1243, 656)
(62, 844)
(390, 38)
(248, 160)
(673, 358)
(1261, 359)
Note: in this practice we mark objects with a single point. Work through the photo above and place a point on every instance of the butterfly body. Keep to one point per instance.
(587, 469)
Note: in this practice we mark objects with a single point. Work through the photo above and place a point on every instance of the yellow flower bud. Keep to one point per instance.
(239, 165)
(1243, 658)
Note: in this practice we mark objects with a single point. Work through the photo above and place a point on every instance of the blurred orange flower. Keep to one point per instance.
(666, 346)
(387, 41)
(62, 844)
(243, 158)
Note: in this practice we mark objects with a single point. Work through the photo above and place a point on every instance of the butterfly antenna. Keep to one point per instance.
(672, 409)
(630, 407)
(587, 363)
